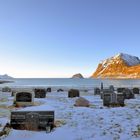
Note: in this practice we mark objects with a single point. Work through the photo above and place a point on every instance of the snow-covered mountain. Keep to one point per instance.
(120, 66)
(129, 60)
(5, 76)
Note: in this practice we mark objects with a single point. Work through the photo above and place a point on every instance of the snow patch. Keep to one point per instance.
(129, 59)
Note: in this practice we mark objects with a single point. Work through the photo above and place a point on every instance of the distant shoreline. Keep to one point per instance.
(102, 78)
(3, 82)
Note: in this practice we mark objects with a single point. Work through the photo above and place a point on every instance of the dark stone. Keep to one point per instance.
(12, 93)
(120, 99)
(32, 120)
(49, 89)
(102, 86)
(105, 91)
(112, 99)
(136, 90)
(73, 93)
(23, 97)
(128, 94)
(106, 99)
(40, 93)
(6, 89)
(60, 90)
(111, 87)
(97, 91)
(119, 90)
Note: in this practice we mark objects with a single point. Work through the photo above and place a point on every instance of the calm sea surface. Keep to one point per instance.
(66, 82)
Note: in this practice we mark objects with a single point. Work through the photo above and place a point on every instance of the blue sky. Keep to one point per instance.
(58, 38)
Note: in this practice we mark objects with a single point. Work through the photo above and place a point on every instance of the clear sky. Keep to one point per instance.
(58, 38)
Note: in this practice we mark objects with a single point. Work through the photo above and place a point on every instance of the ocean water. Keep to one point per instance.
(70, 83)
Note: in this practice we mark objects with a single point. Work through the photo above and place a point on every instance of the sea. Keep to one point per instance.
(86, 83)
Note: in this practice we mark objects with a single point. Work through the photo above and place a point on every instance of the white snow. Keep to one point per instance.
(129, 59)
(43, 107)
(81, 123)
(5, 76)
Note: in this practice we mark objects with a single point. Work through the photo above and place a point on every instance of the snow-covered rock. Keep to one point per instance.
(129, 59)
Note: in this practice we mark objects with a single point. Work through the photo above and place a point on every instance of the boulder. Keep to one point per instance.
(82, 102)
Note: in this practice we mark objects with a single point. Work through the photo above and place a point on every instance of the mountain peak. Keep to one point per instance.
(129, 59)
(121, 65)
(120, 55)
(5, 76)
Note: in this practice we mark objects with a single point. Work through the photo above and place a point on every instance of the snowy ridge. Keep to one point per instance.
(120, 66)
(129, 59)
(5, 76)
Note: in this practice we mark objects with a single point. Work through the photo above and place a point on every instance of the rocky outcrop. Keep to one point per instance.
(79, 75)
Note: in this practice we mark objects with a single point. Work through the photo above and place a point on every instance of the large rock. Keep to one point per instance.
(79, 75)
(82, 102)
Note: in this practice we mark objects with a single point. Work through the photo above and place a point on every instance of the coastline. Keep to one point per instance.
(4, 81)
